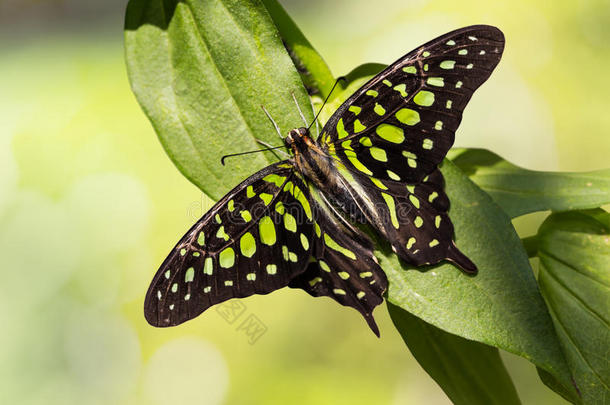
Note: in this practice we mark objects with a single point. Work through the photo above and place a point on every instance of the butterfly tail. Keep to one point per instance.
(456, 256)
(372, 324)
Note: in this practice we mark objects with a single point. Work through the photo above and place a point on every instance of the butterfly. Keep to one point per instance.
(296, 223)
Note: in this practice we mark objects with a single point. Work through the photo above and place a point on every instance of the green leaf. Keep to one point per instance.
(469, 372)
(314, 71)
(201, 71)
(502, 305)
(574, 276)
(520, 191)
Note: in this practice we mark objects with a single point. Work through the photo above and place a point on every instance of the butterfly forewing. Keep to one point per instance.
(400, 124)
(253, 241)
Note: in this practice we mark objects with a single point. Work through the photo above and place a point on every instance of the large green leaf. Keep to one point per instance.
(520, 191)
(574, 251)
(502, 305)
(201, 71)
(469, 372)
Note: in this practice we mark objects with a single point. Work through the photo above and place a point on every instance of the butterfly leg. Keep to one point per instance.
(284, 154)
(277, 129)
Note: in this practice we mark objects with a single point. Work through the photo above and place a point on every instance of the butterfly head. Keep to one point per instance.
(298, 139)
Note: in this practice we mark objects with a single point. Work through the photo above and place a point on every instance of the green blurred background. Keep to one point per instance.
(90, 205)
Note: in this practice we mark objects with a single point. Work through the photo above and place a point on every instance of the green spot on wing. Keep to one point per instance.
(447, 64)
(378, 154)
(227, 258)
(378, 183)
(271, 269)
(314, 281)
(358, 127)
(247, 245)
(300, 196)
(389, 200)
(331, 243)
(275, 179)
(414, 200)
(355, 109)
(402, 89)
(245, 214)
(411, 242)
(365, 141)
(221, 234)
(290, 223)
(436, 81)
(208, 266)
(324, 266)
(266, 230)
(304, 242)
(189, 275)
(424, 98)
(408, 116)
(393, 175)
(390, 133)
(379, 110)
(341, 132)
(266, 198)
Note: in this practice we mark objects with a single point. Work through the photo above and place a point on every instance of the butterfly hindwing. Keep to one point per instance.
(344, 267)
(400, 125)
(415, 221)
(253, 241)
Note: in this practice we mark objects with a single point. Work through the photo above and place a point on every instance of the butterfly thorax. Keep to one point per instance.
(317, 166)
(310, 159)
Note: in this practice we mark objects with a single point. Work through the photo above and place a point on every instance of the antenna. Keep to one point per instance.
(326, 99)
(222, 159)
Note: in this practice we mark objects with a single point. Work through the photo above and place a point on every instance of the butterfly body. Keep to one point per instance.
(295, 223)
